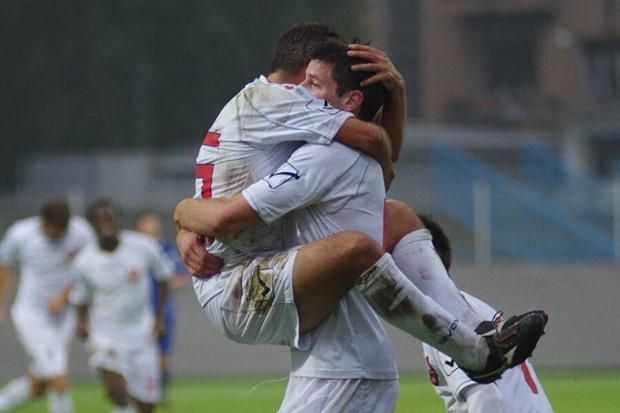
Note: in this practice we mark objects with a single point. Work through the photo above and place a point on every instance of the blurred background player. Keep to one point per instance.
(517, 391)
(40, 250)
(149, 223)
(112, 292)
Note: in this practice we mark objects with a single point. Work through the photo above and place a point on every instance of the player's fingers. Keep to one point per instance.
(379, 67)
(204, 264)
(191, 259)
(387, 81)
(373, 57)
(377, 78)
(376, 60)
(358, 50)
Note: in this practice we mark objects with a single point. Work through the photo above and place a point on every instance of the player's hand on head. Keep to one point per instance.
(379, 62)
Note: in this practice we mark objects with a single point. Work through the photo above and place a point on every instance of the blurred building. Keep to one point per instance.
(545, 65)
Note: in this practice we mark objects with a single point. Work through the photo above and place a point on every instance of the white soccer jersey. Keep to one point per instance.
(337, 189)
(520, 389)
(254, 133)
(44, 265)
(117, 287)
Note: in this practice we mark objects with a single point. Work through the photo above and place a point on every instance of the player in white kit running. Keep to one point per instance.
(40, 249)
(517, 391)
(112, 293)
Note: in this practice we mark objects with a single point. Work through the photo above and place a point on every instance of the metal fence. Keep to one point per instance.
(550, 212)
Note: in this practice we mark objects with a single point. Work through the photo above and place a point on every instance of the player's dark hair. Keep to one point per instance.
(441, 242)
(95, 206)
(57, 213)
(348, 80)
(294, 48)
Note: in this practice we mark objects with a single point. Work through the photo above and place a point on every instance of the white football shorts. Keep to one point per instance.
(308, 394)
(46, 339)
(257, 305)
(137, 362)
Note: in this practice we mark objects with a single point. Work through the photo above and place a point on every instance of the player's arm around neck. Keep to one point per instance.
(393, 120)
(371, 139)
(368, 137)
(215, 216)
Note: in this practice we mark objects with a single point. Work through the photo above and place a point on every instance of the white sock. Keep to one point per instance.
(417, 259)
(15, 393)
(399, 302)
(59, 402)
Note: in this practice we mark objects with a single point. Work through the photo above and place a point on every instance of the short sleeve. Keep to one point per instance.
(308, 174)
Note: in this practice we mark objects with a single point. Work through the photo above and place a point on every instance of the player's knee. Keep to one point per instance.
(37, 387)
(116, 387)
(362, 248)
(118, 396)
(144, 407)
(400, 220)
(59, 384)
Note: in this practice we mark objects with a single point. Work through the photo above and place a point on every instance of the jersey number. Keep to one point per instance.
(205, 171)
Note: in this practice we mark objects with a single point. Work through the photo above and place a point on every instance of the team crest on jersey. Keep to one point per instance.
(323, 106)
(132, 275)
(284, 174)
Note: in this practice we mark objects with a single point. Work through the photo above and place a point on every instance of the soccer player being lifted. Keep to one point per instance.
(304, 285)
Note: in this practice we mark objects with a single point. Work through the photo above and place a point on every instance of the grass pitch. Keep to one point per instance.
(568, 391)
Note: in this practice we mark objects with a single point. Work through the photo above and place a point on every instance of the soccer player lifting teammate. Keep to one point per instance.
(306, 284)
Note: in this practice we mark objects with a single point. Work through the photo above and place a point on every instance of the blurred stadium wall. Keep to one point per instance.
(581, 300)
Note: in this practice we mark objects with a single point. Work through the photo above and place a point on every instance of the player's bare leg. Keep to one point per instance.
(59, 395)
(116, 388)
(144, 407)
(325, 270)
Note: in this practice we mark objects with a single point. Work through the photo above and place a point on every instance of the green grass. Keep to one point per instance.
(568, 391)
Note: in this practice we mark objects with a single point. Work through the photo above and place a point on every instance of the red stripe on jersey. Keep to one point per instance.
(212, 139)
(528, 378)
(205, 172)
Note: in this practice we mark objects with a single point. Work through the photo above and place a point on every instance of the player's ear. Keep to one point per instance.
(353, 100)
